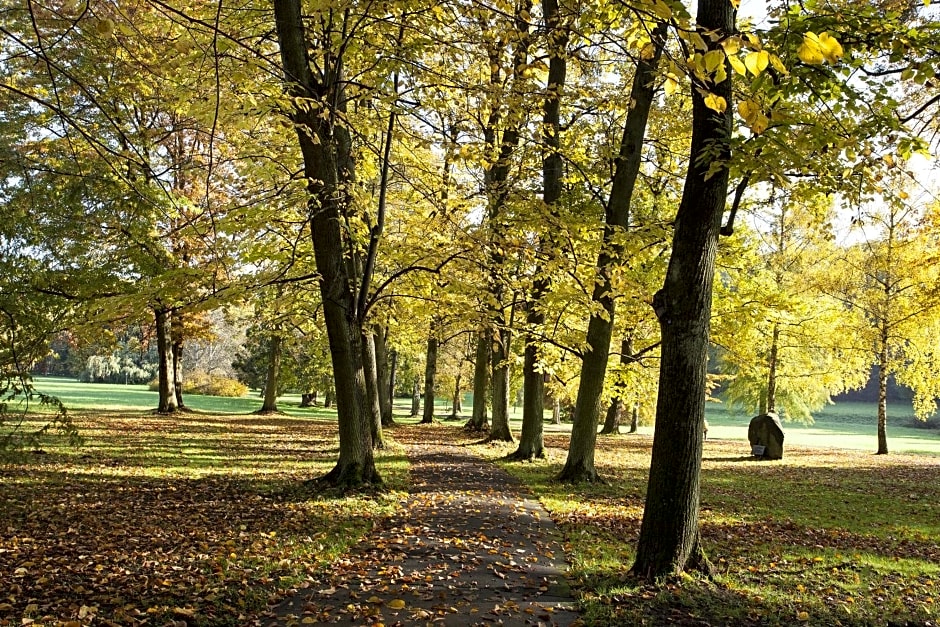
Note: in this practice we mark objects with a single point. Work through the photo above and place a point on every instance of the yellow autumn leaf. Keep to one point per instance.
(662, 10)
(716, 103)
(396, 604)
(308, 620)
(757, 61)
(373, 599)
(830, 47)
(816, 49)
(738, 65)
(648, 51)
(731, 45)
(747, 109)
(670, 85)
(778, 65)
(713, 60)
(803, 616)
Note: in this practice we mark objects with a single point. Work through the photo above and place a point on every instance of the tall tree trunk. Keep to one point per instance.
(531, 442)
(634, 417)
(455, 407)
(324, 145)
(177, 335)
(613, 417)
(497, 184)
(392, 380)
(531, 439)
(481, 372)
(415, 398)
(328, 399)
(580, 463)
(500, 430)
(615, 410)
(167, 403)
(772, 370)
(273, 375)
(430, 374)
(383, 374)
(556, 410)
(669, 539)
(883, 390)
(373, 405)
(308, 399)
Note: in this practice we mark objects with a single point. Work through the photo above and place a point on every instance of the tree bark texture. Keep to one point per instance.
(327, 167)
(167, 403)
(481, 374)
(430, 375)
(579, 465)
(883, 389)
(531, 441)
(500, 430)
(373, 405)
(772, 370)
(383, 374)
(669, 539)
(177, 335)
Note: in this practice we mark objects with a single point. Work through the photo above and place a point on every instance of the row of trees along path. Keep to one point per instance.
(467, 548)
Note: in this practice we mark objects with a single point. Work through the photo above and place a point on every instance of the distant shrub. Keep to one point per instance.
(208, 385)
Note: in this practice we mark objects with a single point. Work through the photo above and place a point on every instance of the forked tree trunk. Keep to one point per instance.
(167, 403)
(372, 389)
(324, 145)
(430, 374)
(308, 399)
(481, 372)
(669, 541)
(615, 410)
(273, 375)
(580, 463)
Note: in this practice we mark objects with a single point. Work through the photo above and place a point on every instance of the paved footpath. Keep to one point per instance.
(468, 548)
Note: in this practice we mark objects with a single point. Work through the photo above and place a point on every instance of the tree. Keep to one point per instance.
(890, 279)
(325, 146)
(579, 465)
(669, 539)
(787, 346)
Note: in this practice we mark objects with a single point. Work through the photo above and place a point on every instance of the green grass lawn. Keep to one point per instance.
(842, 426)
(203, 517)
